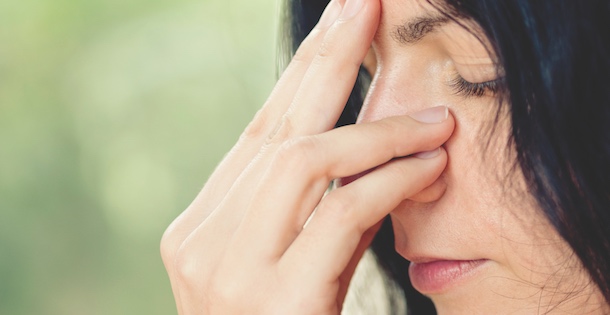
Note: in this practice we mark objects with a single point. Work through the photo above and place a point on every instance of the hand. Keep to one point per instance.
(241, 246)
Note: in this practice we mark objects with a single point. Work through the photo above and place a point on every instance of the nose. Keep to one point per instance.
(393, 94)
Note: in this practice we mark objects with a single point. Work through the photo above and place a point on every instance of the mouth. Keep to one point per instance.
(435, 276)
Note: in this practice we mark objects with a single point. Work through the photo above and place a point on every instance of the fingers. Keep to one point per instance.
(242, 168)
(255, 135)
(330, 78)
(302, 170)
(249, 144)
(246, 149)
(326, 246)
(289, 83)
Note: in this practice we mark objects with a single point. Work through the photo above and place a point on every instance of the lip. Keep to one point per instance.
(434, 276)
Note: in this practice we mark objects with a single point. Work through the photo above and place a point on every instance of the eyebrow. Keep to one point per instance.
(417, 28)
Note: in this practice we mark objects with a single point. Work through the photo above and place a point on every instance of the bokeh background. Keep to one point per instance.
(112, 115)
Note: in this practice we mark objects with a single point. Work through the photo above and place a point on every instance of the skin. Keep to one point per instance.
(240, 247)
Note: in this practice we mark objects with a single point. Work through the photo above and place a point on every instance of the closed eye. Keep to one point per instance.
(467, 89)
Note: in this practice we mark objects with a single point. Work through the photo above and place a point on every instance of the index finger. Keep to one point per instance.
(330, 78)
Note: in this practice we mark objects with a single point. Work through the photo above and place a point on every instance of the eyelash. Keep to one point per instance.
(465, 88)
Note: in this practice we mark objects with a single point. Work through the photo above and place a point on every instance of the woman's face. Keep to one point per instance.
(478, 241)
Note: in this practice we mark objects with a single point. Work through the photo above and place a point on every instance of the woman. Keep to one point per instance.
(483, 137)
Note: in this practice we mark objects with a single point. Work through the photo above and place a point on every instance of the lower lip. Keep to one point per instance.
(437, 276)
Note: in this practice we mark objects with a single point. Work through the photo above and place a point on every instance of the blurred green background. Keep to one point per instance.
(112, 115)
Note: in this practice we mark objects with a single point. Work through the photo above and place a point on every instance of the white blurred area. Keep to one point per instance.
(157, 89)
(112, 115)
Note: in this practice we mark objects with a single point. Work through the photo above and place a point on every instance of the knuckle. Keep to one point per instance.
(333, 54)
(232, 292)
(187, 268)
(340, 208)
(301, 56)
(282, 131)
(256, 127)
(305, 52)
(298, 154)
(326, 50)
(332, 42)
(169, 246)
(167, 250)
(226, 292)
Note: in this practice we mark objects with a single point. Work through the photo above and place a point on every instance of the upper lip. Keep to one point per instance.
(425, 260)
(428, 258)
(420, 253)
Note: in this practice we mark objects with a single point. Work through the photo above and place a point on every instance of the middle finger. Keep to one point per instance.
(330, 78)
(302, 169)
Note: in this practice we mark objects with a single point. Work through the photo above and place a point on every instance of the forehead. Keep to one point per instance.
(392, 10)
(421, 22)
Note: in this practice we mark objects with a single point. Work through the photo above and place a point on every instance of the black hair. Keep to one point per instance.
(555, 58)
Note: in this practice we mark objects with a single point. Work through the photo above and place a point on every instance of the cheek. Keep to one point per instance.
(533, 249)
(508, 227)
(490, 192)
(536, 260)
(529, 251)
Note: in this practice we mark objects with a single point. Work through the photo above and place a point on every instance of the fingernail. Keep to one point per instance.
(428, 154)
(351, 8)
(330, 15)
(431, 115)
